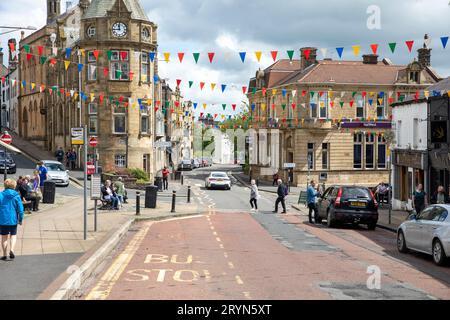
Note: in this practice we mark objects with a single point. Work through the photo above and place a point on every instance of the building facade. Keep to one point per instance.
(332, 119)
(107, 81)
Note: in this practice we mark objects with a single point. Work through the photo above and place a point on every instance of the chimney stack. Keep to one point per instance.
(370, 59)
(308, 57)
(425, 53)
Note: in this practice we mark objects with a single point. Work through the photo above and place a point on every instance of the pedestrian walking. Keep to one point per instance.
(119, 188)
(165, 176)
(419, 199)
(254, 195)
(59, 154)
(11, 214)
(312, 194)
(282, 192)
(440, 197)
(72, 159)
(275, 177)
(43, 175)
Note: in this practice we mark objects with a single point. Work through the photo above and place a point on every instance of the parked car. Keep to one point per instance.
(195, 163)
(10, 164)
(427, 232)
(206, 162)
(57, 173)
(185, 165)
(348, 204)
(218, 180)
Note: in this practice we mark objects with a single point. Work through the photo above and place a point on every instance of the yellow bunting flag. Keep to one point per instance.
(322, 104)
(166, 56)
(330, 94)
(274, 92)
(204, 106)
(258, 55)
(448, 93)
(75, 97)
(263, 106)
(426, 94)
(33, 85)
(380, 102)
(66, 64)
(82, 51)
(92, 97)
(213, 85)
(356, 50)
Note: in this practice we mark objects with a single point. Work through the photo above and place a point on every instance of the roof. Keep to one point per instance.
(99, 9)
(442, 85)
(277, 72)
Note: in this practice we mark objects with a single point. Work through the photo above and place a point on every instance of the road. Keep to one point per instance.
(230, 253)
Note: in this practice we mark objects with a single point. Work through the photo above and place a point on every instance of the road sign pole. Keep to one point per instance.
(5, 172)
(85, 179)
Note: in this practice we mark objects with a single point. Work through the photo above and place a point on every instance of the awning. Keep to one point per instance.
(10, 148)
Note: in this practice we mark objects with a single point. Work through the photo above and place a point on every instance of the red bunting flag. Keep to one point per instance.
(264, 91)
(303, 93)
(178, 82)
(244, 90)
(121, 99)
(320, 94)
(201, 114)
(351, 103)
(202, 84)
(29, 55)
(62, 91)
(123, 55)
(391, 100)
(374, 48)
(131, 74)
(96, 53)
(105, 72)
(181, 56)
(307, 53)
(12, 46)
(3, 80)
(417, 95)
(101, 97)
(40, 50)
(177, 104)
(211, 56)
(234, 107)
(273, 106)
(215, 115)
(274, 55)
(398, 95)
(409, 44)
(53, 61)
(294, 106)
(364, 94)
(332, 104)
(126, 104)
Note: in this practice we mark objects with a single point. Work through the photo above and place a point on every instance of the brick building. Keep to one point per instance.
(330, 118)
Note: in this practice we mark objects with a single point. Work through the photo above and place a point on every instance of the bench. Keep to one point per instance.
(303, 198)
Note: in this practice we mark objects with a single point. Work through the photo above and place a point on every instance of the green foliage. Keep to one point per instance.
(141, 181)
(138, 174)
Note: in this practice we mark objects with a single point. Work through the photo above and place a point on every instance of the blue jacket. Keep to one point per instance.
(11, 208)
(312, 194)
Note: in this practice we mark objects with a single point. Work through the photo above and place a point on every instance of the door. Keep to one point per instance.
(433, 222)
(324, 202)
(414, 229)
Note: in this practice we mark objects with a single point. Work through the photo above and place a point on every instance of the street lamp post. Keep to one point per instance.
(14, 29)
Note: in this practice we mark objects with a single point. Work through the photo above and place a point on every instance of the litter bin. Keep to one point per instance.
(151, 194)
(49, 192)
(158, 183)
(178, 175)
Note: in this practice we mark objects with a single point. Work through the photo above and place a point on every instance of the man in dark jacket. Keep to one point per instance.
(281, 191)
(440, 197)
(59, 154)
(108, 194)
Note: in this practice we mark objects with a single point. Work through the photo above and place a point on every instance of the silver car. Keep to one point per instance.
(57, 173)
(427, 232)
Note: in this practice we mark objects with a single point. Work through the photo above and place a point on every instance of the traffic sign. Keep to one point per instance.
(289, 165)
(93, 142)
(77, 136)
(6, 138)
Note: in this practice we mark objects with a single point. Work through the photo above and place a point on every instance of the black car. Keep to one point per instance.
(348, 204)
(10, 164)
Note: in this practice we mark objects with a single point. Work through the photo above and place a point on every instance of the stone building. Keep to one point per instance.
(330, 118)
(114, 91)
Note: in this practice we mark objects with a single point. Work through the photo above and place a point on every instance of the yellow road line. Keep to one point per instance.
(230, 265)
(239, 280)
(103, 288)
(247, 295)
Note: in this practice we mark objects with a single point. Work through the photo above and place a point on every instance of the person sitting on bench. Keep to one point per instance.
(109, 195)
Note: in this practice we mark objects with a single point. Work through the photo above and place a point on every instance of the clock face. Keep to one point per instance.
(119, 29)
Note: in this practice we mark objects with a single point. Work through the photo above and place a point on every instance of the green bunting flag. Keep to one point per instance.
(196, 56)
(190, 84)
(392, 45)
(254, 90)
(27, 48)
(118, 74)
(43, 59)
(224, 106)
(109, 54)
(342, 104)
(290, 54)
(354, 94)
(312, 93)
(283, 106)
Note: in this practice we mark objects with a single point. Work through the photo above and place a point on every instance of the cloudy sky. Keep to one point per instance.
(227, 27)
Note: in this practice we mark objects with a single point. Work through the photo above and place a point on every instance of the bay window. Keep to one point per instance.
(119, 65)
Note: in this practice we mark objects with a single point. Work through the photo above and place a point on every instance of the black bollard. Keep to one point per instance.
(174, 199)
(182, 179)
(138, 203)
(189, 195)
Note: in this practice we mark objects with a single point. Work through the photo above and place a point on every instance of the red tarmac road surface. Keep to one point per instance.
(231, 256)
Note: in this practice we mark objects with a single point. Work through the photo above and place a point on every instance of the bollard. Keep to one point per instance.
(257, 182)
(138, 203)
(182, 178)
(189, 195)
(174, 199)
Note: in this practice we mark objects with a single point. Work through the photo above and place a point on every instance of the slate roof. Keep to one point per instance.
(99, 9)
(442, 85)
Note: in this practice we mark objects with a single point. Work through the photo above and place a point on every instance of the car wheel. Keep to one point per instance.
(372, 226)
(401, 242)
(438, 253)
(330, 221)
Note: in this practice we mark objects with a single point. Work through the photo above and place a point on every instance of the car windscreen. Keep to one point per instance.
(356, 193)
(55, 167)
(219, 175)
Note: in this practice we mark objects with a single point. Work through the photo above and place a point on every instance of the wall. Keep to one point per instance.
(406, 115)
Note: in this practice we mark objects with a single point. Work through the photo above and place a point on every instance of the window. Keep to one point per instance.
(357, 151)
(323, 106)
(381, 152)
(416, 133)
(120, 160)
(92, 107)
(119, 120)
(145, 67)
(145, 33)
(381, 106)
(93, 125)
(360, 104)
(311, 156)
(91, 31)
(144, 119)
(325, 156)
(146, 162)
(92, 66)
(119, 65)
(370, 151)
